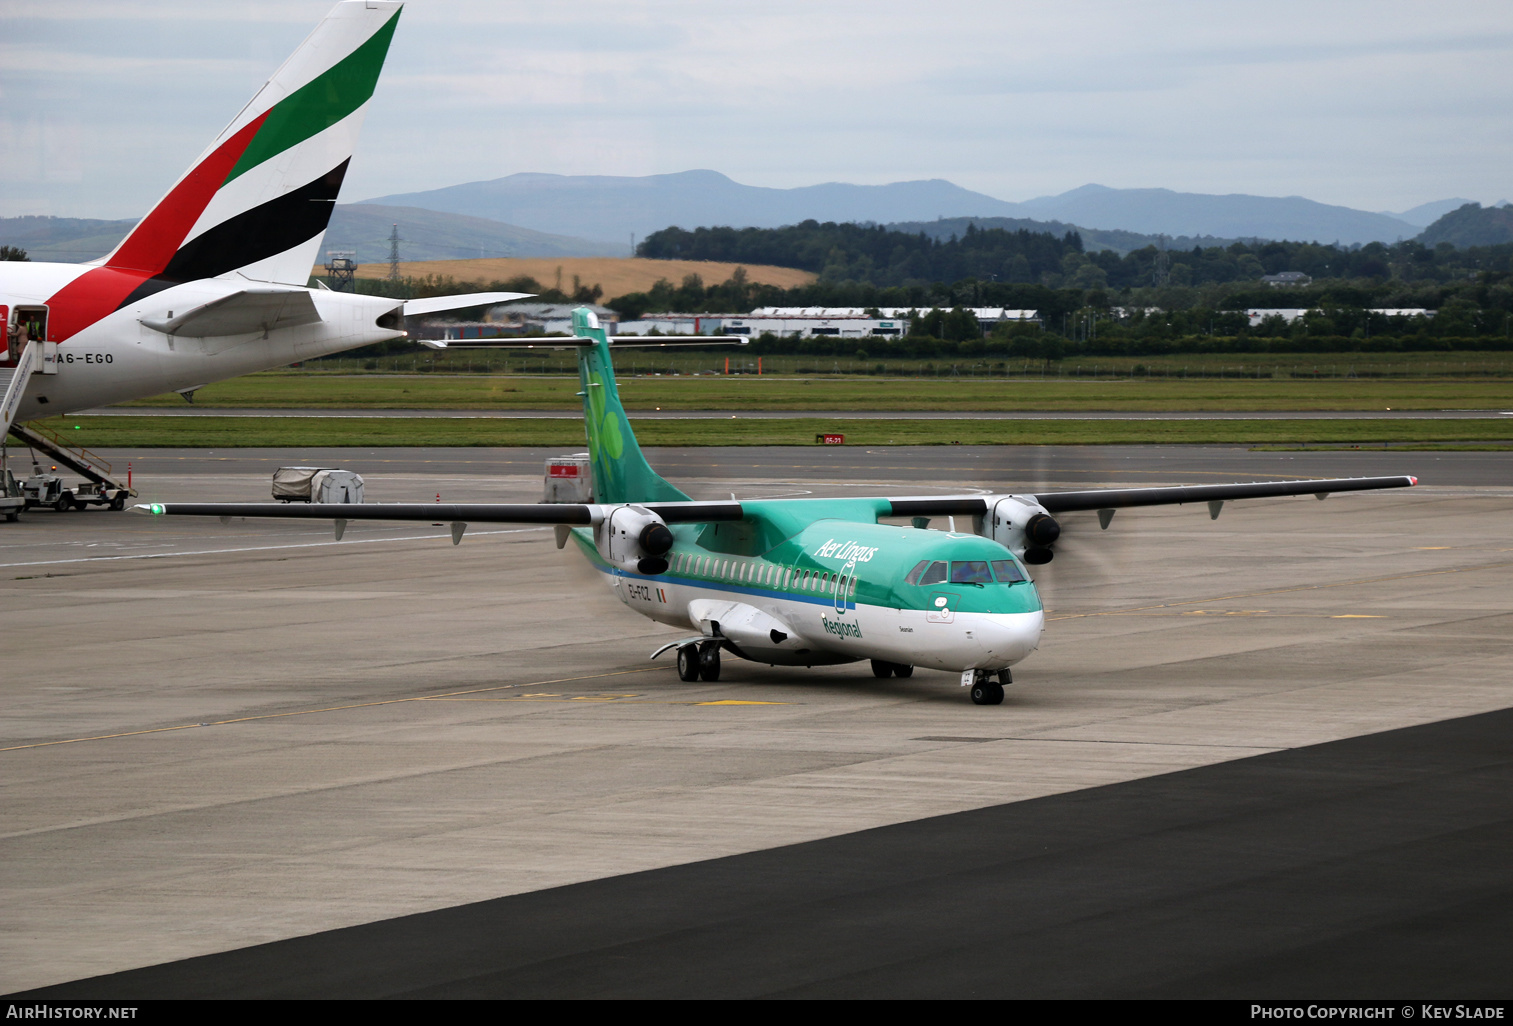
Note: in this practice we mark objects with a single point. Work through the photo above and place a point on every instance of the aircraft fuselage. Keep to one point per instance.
(115, 356)
(837, 591)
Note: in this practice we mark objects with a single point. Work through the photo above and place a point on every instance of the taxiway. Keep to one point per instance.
(222, 735)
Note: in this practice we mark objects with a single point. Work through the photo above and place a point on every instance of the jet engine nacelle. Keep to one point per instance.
(635, 538)
(1023, 526)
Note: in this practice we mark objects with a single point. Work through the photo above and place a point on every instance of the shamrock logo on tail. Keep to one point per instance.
(604, 426)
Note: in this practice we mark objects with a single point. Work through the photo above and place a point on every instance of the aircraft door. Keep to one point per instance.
(7, 357)
(28, 324)
(843, 586)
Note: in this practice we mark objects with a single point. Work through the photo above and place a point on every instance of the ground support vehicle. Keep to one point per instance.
(46, 490)
(12, 501)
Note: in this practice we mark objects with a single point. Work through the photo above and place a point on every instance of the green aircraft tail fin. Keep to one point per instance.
(621, 473)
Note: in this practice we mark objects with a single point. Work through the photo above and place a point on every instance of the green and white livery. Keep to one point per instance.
(799, 582)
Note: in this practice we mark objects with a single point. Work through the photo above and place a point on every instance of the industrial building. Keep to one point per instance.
(1284, 279)
(1292, 313)
(516, 319)
(812, 321)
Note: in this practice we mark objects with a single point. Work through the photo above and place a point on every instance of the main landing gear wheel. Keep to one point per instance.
(709, 661)
(986, 692)
(688, 663)
(880, 668)
(902, 670)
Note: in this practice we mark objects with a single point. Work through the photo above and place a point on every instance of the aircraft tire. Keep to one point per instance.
(984, 693)
(881, 668)
(709, 662)
(903, 670)
(688, 664)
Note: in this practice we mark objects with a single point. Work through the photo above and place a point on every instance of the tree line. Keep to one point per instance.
(1480, 307)
(873, 255)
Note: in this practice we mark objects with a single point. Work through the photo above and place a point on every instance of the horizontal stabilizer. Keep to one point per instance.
(440, 304)
(569, 342)
(241, 313)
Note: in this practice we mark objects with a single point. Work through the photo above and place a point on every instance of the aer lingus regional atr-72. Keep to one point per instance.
(798, 582)
(211, 284)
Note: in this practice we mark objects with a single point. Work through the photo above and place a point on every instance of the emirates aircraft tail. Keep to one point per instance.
(257, 201)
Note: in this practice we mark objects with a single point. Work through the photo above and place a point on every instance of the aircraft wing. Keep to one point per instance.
(1120, 498)
(575, 514)
(573, 341)
(241, 313)
(571, 514)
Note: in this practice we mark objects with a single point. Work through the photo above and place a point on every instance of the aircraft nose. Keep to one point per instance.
(1007, 636)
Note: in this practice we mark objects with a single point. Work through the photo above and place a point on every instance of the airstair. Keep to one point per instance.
(89, 465)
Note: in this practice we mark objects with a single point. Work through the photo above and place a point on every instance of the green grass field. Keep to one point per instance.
(232, 432)
(633, 362)
(315, 391)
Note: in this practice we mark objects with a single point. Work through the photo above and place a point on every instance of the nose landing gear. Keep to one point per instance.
(986, 690)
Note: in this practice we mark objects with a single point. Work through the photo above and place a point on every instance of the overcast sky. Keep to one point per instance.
(1372, 104)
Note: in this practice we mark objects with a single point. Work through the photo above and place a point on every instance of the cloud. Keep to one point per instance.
(1339, 101)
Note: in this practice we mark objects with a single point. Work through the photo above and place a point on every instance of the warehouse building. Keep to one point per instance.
(1292, 313)
(812, 322)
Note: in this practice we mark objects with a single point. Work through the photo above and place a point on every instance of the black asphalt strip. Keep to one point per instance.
(1374, 867)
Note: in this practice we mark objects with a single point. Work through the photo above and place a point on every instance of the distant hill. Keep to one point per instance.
(68, 240)
(426, 235)
(1471, 225)
(612, 208)
(434, 235)
(1426, 214)
(1236, 216)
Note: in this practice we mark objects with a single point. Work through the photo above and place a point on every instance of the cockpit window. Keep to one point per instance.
(971, 571)
(936, 574)
(914, 574)
(1007, 571)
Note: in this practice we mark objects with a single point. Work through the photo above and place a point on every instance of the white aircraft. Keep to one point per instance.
(211, 284)
(797, 582)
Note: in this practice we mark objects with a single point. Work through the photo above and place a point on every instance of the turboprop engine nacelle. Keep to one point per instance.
(1023, 526)
(635, 538)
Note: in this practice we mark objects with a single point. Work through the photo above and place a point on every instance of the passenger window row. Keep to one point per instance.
(764, 574)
